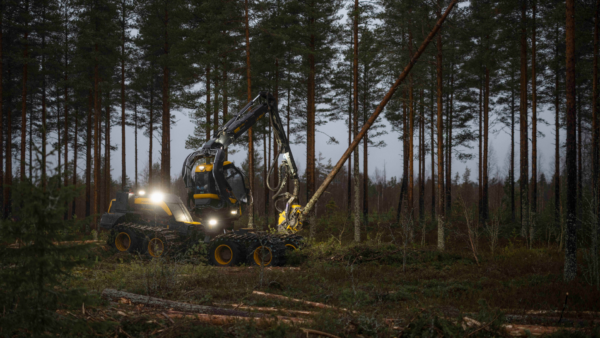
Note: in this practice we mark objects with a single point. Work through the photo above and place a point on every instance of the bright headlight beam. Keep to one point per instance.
(234, 212)
(156, 197)
(141, 193)
(201, 167)
(212, 222)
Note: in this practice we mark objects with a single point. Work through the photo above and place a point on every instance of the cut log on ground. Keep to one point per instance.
(516, 330)
(224, 319)
(118, 296)
(269, 309)
(319, 305)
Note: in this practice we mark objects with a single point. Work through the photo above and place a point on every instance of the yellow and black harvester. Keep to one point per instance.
(161, 223)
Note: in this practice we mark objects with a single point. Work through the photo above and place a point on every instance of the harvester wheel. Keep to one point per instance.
(155, 246)
(271, 252)
(126, 240)
(293, 242)
(225, 252)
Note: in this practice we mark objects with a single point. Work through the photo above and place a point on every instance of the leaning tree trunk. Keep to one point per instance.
(571, 231)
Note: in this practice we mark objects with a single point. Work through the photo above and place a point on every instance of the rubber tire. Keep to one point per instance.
(296, 241)
(134, 245)
(272, 243)
(236, 251)
(145, 247)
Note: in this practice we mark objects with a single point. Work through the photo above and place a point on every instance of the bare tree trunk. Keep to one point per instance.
(8, 173)
(208, 105)
(440, 212)
(225, 98)
(216, 111)
(250, 140)
(533, 129)
(422, 161)
(524, 158)
(355, 109)
(135, 126)
(123, 158)
(449, 148)
(365, 167)
(96, 144)
(107, 179)
(75, 150)
(24, 96)
(480, 164)
(595, 136)
(275, 145)
(151, 137)
(165, 155)
(310, 123)
(512, 152)
(433, 206)
(557, 208)
(2, 120)
(88, 157)
(264, 183)
(349, 188)
(571, 231)
(486, 110)
(66, 135)
(411, 135)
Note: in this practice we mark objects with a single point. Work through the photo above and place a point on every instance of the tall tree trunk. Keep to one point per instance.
(422, 162)
(250, 140)
(2, 119)
(265, 188)
(480, 164)
(88, 157)
(216, 108)
(225, 98)
(66, 135)
(533, 129)
(107, 179)
(24, 96)
(123, 158)
(571, 231)
(512, 150)
(440, 212)
(310, 123)
(365, 165)
(96, 143)
(135, 132)
(432, 133)
(151, 137)
(8, 174)
(595, 138)
(557, 208)
(579, 161)
(208, 105)
(355, 174)
(449, 148)
(349, 187)
(275, 145)
(411, 135)
(486, 110)
(524, 158)
(165, 155)
(75, 150)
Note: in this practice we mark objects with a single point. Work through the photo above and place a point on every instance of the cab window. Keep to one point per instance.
(180, 212)
(236, 182)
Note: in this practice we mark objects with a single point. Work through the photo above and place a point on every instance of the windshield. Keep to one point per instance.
(180, 212)
(236, 182)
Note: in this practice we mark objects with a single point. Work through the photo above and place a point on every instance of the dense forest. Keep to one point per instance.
(73, 70)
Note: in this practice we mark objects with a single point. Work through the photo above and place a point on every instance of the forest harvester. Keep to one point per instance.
(217, 189)
(160, 223)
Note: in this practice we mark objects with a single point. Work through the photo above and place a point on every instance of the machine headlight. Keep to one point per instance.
(156, 197)
(141, 193)
(234, 212)
(201, 167)
(212, 222)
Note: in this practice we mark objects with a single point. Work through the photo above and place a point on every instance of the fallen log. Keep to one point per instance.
(315, 304)
(118, 296)
(268, 309)
(516, 330)
(225, 319)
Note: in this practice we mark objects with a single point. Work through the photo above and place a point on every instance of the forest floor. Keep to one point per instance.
(373, 289)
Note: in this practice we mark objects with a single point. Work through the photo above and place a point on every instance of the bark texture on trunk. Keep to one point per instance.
(533, 128)
(96, 143)
(107, 179)
(512, 153)
(88, 157)
(310, 123)
(250, 140)
(571, 226)
(524, 139)
(165, 155)
(486, 110)
(355, 125)
(440, 146)
(24, 96)
(123, 158)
